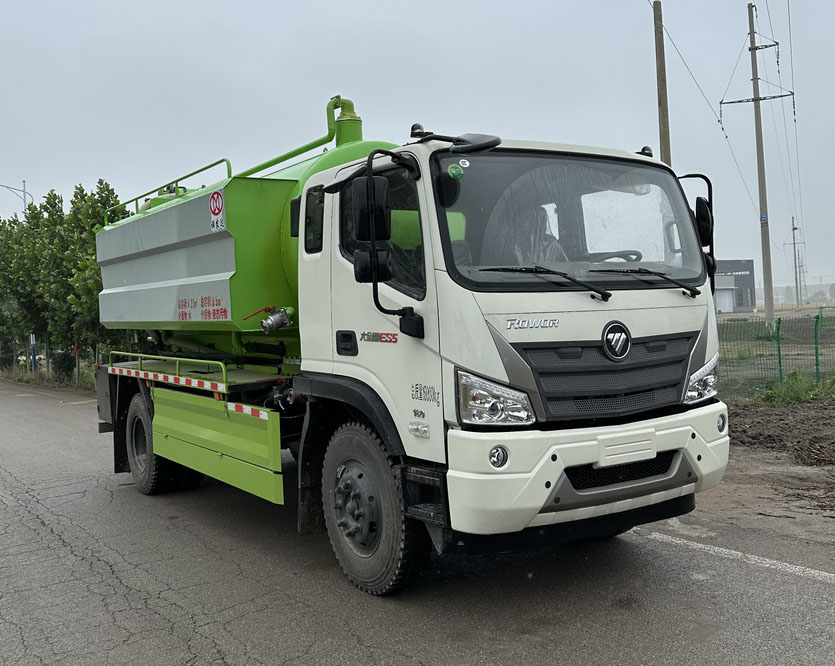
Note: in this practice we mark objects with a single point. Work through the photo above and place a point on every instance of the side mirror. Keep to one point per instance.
(704, 221)
(710, 263)
(362, 208)
(411, 323)
(362, 266)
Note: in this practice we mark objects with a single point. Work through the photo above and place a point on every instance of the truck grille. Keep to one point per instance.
(578, 381)
(584, 477)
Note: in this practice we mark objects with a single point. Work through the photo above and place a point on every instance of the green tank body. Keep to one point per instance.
(196, 264)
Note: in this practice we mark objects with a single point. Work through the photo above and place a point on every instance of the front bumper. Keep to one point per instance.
(522, 494)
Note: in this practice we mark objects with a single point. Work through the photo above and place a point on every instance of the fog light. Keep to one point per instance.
(498, 456)
(720, 422)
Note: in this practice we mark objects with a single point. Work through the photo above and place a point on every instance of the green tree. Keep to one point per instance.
(58, 247)
(22, 280)
(8, 306)
(49, 278)
(86, 213)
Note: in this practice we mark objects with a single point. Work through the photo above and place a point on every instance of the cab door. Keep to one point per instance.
(368, 345)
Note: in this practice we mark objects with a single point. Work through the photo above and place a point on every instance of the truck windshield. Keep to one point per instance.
(579, 215)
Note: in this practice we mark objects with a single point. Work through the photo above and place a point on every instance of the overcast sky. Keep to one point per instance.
(138, 93)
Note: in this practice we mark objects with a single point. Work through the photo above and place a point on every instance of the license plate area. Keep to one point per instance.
(619, 449)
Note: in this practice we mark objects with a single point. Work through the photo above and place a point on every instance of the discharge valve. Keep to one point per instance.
(278, 318)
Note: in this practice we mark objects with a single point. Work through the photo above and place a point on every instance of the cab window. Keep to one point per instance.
(313, 220)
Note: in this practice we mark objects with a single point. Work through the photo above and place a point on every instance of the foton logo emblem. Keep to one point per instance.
(616, 341)
(532, 323)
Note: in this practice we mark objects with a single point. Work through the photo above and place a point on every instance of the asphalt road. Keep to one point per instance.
(92, 572)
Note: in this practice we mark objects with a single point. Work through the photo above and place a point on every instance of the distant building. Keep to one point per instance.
(734, 285)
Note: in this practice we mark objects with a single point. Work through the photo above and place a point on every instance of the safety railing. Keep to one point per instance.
(177, 361)
(175, 183)
(347, 113)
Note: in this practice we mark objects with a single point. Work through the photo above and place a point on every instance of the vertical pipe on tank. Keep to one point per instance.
(349, 124)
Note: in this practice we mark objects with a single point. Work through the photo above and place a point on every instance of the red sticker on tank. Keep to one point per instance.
(216, 203)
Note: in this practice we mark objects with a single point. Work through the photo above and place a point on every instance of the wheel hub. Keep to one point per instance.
(356, 508)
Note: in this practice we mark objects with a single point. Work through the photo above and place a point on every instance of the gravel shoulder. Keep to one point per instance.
(781, 473)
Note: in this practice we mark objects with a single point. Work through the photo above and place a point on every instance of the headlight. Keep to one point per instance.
(703, 382)
(485, 403)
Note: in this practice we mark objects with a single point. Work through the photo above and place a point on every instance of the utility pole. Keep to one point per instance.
(802, 270)
(796, 273)
(661, 80)
(17, 192)
(768, 290)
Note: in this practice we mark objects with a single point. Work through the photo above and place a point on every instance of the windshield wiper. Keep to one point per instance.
(602, 294)
(692, 291)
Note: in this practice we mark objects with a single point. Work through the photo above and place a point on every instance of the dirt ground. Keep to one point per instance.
(781, 473)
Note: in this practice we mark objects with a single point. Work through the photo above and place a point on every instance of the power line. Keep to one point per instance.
(786, 132)
(738, 58)
(713, 111)
(690, 72)
(794, 115)
(768, 12)
(774, 121)
(782, 103)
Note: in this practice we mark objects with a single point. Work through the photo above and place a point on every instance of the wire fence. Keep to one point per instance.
(754, 355)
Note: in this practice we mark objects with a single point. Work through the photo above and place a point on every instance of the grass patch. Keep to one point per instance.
(22, 375)
(741, 354)
(797, 387)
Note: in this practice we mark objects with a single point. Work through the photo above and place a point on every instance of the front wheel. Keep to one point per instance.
(377, 546)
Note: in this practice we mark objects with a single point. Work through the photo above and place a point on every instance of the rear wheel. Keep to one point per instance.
(377, 546)
(151, 473)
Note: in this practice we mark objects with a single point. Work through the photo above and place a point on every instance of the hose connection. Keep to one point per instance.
(278, 319)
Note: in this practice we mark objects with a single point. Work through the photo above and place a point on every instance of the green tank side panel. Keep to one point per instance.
(203, 434)
(457, 226)
(254, 213)
(301, 173)
(180, 267)
(405, 229)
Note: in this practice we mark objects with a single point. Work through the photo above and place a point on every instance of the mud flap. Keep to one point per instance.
(237, 444)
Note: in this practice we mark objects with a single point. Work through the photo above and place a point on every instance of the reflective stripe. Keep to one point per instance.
(246, 409)
(169, 379)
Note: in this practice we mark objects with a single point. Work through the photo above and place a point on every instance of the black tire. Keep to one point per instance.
(151, 474)
(378, 547)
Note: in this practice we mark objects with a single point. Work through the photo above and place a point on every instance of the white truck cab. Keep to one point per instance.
(565, 365)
